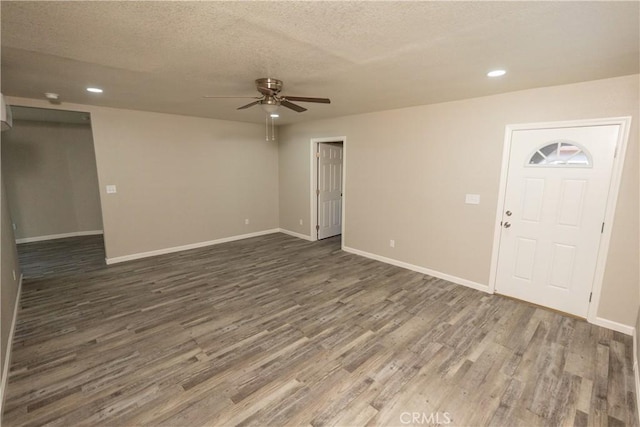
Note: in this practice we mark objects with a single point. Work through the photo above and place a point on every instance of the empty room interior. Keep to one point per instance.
(320, 213)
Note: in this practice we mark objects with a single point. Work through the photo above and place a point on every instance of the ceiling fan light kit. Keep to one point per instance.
(269, 104)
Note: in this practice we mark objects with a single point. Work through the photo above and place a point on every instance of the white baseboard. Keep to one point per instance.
(423, 270)
(139, 255)
(614, 326)
(59, 236)
(294, 234)
(7, 356)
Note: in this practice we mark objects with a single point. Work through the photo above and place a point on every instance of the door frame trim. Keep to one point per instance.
(610, 209)
(313, 167)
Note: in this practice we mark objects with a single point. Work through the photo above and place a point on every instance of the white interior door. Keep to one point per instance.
(555, 201)
(329, 190)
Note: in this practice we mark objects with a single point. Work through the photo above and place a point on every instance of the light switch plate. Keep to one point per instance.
(472, 199)
(111, 189)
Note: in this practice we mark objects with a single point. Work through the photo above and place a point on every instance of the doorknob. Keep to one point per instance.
(507, 225)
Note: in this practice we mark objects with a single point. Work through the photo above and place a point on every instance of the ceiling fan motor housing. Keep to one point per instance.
(269, 86)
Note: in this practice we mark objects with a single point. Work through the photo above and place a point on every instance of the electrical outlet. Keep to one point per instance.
(111, 189)
(300, 221)
(246, 221)
(15, 227)
(14, 274)
(392, 243)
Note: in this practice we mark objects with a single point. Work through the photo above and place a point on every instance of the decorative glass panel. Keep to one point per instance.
(561, 154)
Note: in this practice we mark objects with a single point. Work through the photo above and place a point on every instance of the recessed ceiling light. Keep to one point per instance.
(496, 73)
(275, 115)
(94, 89)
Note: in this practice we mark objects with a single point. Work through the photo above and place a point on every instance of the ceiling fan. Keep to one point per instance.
(271, 98)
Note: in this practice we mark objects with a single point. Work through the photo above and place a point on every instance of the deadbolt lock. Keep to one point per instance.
(508, 213)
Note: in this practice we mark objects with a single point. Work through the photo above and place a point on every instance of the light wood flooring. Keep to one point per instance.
(275, 331)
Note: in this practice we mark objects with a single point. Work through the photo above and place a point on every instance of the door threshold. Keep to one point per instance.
(563, 313)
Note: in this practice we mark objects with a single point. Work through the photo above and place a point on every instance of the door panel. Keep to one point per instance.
(329, 190)
(571, 202)
(556, 194)
(525, 256)
(532, 200)
(563, 258)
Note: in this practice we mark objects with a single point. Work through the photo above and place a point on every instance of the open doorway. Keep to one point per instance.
(50, 173)
(327, 187)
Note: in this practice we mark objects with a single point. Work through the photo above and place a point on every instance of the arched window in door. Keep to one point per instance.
(561, 154)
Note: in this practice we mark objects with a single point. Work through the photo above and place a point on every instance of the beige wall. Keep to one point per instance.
(407, 172)
(51, 178)
(637, 328)
(8, 285)
(180, 180)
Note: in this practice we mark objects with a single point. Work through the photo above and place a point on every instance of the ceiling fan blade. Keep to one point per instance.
(251, 104)
(305, 99)
(248, 97)
(291, 106)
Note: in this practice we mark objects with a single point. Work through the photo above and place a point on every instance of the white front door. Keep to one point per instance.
(554, 208)
(329, 189)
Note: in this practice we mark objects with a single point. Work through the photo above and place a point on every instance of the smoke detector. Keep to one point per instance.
(52, 97)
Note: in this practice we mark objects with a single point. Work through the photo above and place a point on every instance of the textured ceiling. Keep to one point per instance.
(365, 56)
